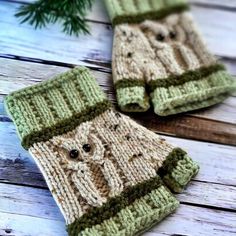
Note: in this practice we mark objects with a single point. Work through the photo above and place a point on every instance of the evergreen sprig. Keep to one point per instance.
(71, 13)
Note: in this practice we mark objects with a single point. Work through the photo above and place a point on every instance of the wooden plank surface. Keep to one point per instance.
(17, 167)
(216, 124)
(208, 205)
(23, 40)
(187, 220)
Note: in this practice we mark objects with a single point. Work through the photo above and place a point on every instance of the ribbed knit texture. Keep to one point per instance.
(134, 11)
(165, 61)
(55, 106)
(100, 166)
(198, 94)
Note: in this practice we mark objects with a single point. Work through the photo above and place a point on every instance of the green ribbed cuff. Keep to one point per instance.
(132, 99)
(177, 170)
(137, 209)
(192, 95)
(135, 11)
(55, 106)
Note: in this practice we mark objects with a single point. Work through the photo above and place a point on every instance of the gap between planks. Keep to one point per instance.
(30, 43)
(214, 124)
(216, 161)
(26, 210)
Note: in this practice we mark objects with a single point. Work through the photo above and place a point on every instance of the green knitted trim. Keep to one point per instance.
(141, 15)
(55, 106)
(97, 215)
(133, 99)
(65, 125)
(125, 83)
(193, 95)
(171, 161)
(187, 76)
(137, 217)
(177, 170)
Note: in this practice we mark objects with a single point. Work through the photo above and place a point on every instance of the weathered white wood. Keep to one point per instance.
(194, 221)
(217, 162)
(226, 3)
(209, 194)
(22, 225)
(25, 73)
(51, 44)
(28, 201)
(37, 202)
(187, 220)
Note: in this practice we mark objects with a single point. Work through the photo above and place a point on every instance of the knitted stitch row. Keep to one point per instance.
(133, 11)
(55, 106)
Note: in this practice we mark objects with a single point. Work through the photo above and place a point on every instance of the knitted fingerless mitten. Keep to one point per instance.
(100, 166)
(157, 46)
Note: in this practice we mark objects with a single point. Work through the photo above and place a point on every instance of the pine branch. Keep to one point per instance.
(71, 13)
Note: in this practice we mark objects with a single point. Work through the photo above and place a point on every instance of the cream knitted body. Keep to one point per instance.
(139, 54)
(122, 153)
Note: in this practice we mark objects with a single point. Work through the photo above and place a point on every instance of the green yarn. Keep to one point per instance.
(185, 77)
(152, 15)
(132, 99)
(181, 175)
(97, 215)
(193, 95)
(56, 106)
(137, 217)
(177, 170)
(130, 11)
(124, 83)
(171, 161)
(173, 79)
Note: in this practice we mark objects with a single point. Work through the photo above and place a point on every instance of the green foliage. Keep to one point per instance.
(70, 13)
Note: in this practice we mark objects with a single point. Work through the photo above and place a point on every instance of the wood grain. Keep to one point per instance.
(187, 220)
(208, 205)
(216, 124)
(49, 44)
(190, 127)
(18, 167)
(226, 4)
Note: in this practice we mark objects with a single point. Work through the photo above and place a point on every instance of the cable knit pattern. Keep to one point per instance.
(101, 167)
(169, 58)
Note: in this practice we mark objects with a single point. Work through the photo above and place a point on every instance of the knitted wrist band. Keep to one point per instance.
(200, 92)
(132, 98)
(137, 208)
(55, 106)
(135, 11)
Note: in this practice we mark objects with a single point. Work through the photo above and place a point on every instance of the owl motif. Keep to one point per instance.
(77, 151)
(171, 44)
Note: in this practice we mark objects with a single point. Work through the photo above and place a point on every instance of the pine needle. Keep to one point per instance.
(71, 13)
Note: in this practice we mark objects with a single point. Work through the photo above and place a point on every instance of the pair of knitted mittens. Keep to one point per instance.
(107, 174)
(159, 53)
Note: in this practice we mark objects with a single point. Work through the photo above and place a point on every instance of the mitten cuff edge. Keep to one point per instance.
(132, 99)
(117, 209)
(55, 106)
(130, 11)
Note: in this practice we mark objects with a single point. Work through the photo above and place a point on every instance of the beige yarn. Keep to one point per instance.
(122, 154)
(139, 55)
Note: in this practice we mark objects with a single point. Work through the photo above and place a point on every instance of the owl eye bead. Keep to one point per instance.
(74, 153)
(173, 34)
(86, 147)
(160, 37)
